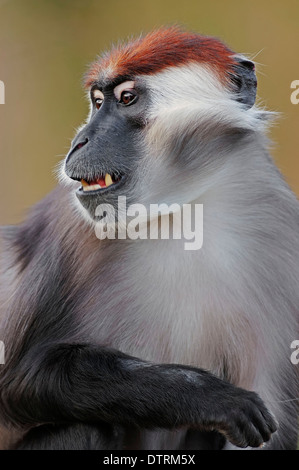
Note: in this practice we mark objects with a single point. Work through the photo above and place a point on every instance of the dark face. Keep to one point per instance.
(105, 153)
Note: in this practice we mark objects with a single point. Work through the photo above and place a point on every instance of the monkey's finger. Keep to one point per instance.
(245, 434)
(270, 419)
(235, 435)
(254, 435)
(262, 417)
(265, 423)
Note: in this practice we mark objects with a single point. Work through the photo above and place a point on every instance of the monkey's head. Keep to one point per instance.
(166, 110)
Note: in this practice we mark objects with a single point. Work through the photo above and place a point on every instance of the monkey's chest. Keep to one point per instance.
(158, 310)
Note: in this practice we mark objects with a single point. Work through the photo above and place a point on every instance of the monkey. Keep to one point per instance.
(119, 343)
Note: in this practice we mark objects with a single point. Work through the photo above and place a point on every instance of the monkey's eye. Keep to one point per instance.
(128, 97)
(98, 102)
(97, 97)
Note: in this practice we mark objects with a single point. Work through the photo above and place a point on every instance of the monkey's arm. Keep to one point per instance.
(81, 383)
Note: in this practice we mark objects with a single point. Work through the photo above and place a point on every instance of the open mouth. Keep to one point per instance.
(99, 184)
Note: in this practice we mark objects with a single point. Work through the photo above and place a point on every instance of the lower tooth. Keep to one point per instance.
(92, 187)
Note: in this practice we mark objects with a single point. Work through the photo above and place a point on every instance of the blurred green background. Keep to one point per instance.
(45, 46)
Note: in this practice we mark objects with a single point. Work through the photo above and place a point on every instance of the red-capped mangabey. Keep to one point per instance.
(141, 344)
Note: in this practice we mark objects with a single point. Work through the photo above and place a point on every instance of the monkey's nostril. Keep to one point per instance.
(77, 147)
(80, 144)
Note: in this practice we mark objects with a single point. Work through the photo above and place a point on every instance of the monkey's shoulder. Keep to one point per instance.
(48, 223)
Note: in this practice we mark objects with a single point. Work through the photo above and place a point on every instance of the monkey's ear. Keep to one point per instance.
(245, 81)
